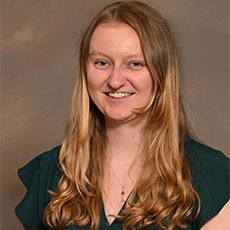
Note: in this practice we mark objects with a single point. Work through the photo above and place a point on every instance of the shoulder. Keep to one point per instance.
(210, 178)
(197, 149)
(206, 163)
(39, 176)
(46, 161)
(48, 155)
(204, 159)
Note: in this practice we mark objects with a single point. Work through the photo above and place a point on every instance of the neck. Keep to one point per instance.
(124, 139)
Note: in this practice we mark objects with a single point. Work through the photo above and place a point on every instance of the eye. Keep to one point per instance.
(101, 64)
(136, 65)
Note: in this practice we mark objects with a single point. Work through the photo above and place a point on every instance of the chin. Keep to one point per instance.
(120, 117)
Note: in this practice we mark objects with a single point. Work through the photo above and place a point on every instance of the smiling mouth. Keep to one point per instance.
(119, 95)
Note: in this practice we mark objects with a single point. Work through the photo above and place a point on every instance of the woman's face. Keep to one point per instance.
(118, 80)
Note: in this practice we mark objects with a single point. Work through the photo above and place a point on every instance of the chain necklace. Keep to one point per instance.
(123, 193)
(122, 186)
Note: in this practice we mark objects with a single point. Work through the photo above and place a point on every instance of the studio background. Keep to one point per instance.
(38, 72)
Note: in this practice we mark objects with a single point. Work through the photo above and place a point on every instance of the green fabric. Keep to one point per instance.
(210, 177)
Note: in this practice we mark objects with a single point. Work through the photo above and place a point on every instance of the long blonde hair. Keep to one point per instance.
(163, 195)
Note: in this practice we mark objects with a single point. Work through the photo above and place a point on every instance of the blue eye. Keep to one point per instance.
(136, 64)
(101, 63)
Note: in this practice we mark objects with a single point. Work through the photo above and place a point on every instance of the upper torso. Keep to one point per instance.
(210, 178)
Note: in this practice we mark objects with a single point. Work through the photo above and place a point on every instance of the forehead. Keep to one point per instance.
(115, 36)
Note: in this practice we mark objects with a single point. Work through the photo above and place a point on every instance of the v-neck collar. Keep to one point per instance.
(104, 221)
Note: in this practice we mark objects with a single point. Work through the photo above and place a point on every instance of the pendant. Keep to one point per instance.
(122, 195)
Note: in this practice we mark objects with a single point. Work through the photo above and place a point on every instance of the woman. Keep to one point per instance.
(127, 160)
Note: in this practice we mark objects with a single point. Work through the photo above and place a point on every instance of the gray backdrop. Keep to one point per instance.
(38, 67)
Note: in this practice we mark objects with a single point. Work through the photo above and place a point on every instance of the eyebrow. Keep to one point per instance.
(107, 56)
(98, 53)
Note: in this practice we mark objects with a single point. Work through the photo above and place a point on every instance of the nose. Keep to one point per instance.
(116, 78)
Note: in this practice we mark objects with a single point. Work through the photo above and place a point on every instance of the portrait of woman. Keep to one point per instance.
(129, 159)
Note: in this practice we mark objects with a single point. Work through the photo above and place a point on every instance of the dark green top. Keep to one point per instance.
(210, 177)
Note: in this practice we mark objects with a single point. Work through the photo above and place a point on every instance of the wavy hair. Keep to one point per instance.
(163, 195)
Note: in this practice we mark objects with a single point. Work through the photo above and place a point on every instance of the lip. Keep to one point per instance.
(118, 99)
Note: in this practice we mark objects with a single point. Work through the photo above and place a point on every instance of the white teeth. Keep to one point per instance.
(119, 95)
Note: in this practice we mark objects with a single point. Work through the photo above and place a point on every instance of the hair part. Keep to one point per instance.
(163, 195)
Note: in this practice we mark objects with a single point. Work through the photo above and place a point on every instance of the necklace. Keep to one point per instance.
(123, 192)
(122, 186)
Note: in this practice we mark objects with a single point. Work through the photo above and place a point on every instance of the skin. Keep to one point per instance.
(116, 64)
(220, 221)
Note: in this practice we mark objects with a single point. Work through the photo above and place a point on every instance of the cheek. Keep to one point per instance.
(145, 84)
(95, 79)
(91, 79)
(94, 84)
(92, 89)
(148, 82)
